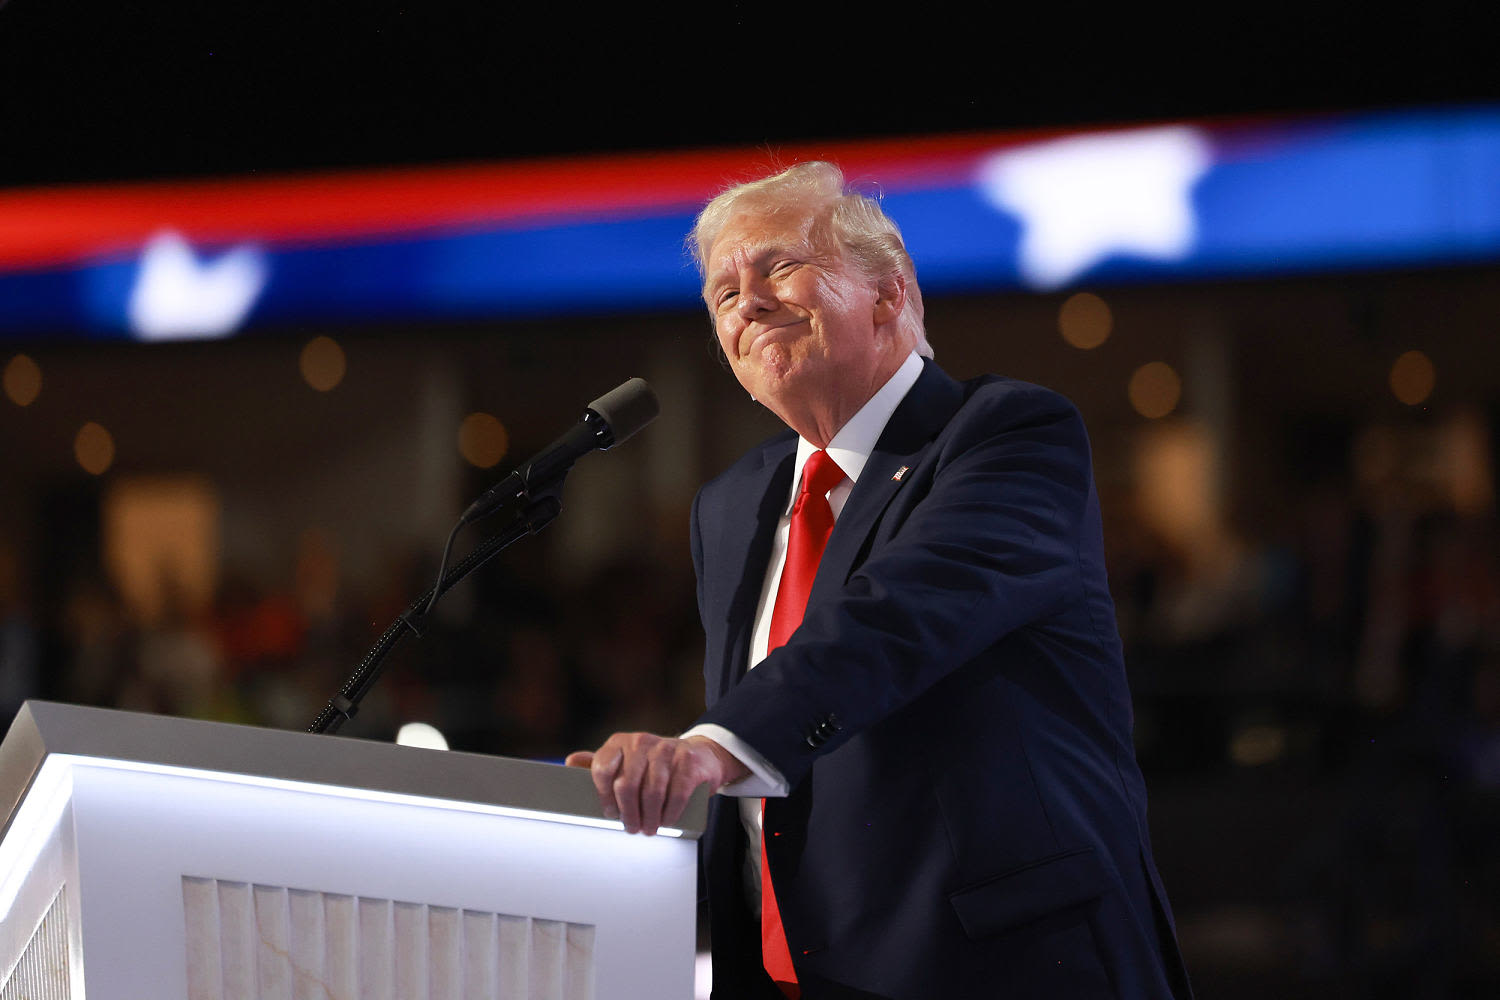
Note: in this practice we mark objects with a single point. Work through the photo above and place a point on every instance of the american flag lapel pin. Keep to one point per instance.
(899, 473)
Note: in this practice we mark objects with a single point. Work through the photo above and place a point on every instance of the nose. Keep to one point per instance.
(756, 295)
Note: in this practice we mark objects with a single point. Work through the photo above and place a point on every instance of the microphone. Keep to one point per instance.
(610, 419)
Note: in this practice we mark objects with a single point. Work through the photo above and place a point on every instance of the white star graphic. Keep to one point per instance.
(177, 298)
(1085, 197)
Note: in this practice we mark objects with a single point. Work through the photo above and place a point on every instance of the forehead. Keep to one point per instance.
(752, 232)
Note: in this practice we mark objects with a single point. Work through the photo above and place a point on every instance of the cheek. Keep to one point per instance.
(726, 332)
(836, 297)
(828, 299)
(846, 306)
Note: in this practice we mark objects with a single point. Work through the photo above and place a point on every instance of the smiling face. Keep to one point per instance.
(805, 331)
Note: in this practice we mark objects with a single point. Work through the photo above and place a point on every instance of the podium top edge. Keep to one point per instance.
(43, 728)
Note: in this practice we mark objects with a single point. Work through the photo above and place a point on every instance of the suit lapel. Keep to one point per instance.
(747, 546)
(927, 408)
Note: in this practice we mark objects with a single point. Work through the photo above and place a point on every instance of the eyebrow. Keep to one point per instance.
(755, 251)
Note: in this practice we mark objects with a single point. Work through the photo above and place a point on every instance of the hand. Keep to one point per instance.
(645, 781)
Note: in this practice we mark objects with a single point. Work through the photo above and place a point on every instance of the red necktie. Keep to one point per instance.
(812, 523)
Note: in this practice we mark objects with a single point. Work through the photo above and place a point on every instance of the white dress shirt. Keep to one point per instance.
(850, 449)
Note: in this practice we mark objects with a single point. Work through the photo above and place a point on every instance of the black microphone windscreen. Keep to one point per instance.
(627, 408)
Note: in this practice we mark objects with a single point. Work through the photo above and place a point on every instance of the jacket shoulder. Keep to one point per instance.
(1022, 397)
(996, 404)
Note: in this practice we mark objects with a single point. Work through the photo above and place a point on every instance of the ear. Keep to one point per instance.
(890, 298)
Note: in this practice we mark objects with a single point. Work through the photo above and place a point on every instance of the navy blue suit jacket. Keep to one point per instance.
(966, 816)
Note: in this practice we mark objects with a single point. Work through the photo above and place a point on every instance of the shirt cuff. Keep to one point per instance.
(763, 782)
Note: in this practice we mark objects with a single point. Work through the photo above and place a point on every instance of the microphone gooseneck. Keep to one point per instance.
(530, 492)
(610, 419)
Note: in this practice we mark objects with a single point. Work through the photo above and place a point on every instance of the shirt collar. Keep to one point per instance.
(851, 447)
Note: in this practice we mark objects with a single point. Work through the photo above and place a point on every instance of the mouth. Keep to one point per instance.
(764, 334)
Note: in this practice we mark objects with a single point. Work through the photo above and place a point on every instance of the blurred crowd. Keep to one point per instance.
(1318, 714)
(524, 668)
(1331, 689)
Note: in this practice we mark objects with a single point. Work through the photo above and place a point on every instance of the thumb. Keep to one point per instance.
(580, 758)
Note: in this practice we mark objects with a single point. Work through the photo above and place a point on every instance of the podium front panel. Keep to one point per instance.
(191, 883)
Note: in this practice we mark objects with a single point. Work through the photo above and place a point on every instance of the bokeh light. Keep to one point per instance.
(1085, 321)
(1413, 378)
(1258, 744)
(1155, 390)
(421, 734)
(94, 447)
(23, 380)
(322, 363)
(482, 440)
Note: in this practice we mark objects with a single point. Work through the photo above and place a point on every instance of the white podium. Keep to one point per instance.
(149, 858)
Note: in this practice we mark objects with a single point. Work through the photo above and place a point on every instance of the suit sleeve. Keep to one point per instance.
(991, 545)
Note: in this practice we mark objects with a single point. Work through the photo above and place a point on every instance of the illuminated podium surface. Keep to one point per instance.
(172, 859)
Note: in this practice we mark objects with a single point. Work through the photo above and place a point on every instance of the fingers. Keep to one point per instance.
(645, 781)
(603, 768)
(679, 790)
(627, 784)
(661, 766)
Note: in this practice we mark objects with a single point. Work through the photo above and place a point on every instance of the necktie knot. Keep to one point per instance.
(820, 474)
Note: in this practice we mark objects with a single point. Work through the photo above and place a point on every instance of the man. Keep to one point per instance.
(940, 728)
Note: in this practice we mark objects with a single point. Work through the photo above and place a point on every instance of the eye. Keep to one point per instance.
(725, 297)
